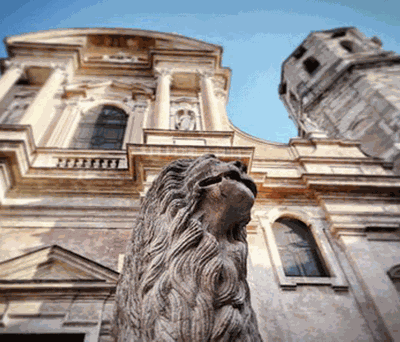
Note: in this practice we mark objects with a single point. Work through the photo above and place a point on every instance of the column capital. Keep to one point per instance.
(58, 66)
(60, 70)
(220, 94)
(15, 65)
(163, 73)
(204, 73)
(11, 75)
(219, 82)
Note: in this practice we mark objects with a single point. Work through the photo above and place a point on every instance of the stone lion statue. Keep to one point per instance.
(184, 274)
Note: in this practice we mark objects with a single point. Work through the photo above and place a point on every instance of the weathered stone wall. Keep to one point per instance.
(363, 105)
(306, 312)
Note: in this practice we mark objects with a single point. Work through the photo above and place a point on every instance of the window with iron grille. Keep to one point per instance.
(102, 128)
(299, 253)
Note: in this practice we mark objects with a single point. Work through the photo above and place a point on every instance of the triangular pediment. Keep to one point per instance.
(55, 264)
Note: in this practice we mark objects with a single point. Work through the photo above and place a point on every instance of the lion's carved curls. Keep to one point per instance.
(184, 275)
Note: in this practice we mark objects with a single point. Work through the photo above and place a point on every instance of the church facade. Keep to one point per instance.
(88, 117)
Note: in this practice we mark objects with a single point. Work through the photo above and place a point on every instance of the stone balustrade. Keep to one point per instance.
(89, 163)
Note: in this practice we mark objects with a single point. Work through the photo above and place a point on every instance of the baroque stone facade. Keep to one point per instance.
(89, 117)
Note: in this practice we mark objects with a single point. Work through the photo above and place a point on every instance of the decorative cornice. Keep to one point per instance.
(141, 156)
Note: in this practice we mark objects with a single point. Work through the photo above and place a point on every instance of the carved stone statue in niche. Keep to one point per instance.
(185, 120)
(184, 274)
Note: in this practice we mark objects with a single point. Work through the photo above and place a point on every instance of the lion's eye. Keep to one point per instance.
(210, 181)
(233, 175)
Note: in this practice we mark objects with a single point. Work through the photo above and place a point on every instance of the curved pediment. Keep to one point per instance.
(127, 39)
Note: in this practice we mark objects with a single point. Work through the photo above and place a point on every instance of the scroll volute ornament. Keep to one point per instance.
(184, 275)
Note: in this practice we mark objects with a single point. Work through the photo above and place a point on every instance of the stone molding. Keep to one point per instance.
(141, 157)
(27, 268)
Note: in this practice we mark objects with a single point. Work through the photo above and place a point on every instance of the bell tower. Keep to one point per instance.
(348, 86)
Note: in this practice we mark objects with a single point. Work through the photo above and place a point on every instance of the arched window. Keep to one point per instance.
(394, 274)
(311, 65)
(299, 253)
(101, 128)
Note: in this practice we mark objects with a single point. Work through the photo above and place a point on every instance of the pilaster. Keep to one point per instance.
(39, 113)
(210, 101)
(65, 126)
(221, 100)
(162, 105)
(10, 77)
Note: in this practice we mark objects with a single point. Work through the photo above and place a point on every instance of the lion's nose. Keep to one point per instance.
(240, 166)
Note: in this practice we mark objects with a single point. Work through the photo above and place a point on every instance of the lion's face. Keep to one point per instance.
(228, 195)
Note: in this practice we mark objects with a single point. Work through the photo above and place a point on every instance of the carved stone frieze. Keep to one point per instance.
(184, 274)
(119, 58)
(110, 89)
(118, 41)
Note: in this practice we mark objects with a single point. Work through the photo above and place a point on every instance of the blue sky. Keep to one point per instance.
(256, 36)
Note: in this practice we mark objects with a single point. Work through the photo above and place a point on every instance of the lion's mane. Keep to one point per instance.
(175, 284)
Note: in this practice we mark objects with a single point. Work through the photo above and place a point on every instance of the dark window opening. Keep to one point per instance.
(299, 52)
(339, 34)
(311, 65)
(102, 128)
(294, 102)
(23, 81)
(347, 45)
(42, 337)
(282, 88)
(381, 229)
(350, 46)
(297, 248)
(293, 98)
